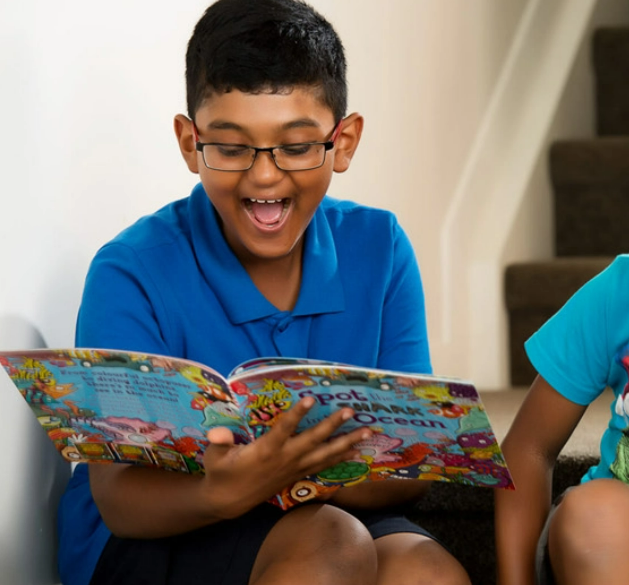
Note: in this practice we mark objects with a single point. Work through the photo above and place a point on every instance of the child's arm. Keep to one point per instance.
(149, 503)
(541, 428)
(380, 494)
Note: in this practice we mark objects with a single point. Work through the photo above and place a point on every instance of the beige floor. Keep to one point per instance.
(501, 407)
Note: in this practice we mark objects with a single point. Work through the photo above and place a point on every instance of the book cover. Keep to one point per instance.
(112, 406)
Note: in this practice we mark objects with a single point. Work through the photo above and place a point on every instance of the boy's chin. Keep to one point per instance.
(272, 254)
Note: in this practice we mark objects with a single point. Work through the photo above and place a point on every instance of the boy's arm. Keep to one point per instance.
(139, 502)
(539, 431)
(380, 494)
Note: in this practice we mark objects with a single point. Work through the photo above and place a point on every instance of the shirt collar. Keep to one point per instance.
(321, 287)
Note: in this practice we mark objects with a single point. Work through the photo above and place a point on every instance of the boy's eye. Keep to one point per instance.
(232, 150)
(296, 149)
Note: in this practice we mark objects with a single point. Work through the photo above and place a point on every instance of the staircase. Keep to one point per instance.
(590, 180)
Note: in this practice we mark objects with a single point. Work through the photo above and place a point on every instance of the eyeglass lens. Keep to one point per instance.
(291, 157)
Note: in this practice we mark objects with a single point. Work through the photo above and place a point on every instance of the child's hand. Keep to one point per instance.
(239, 477)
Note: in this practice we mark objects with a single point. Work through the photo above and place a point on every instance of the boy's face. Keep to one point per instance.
(257, 230)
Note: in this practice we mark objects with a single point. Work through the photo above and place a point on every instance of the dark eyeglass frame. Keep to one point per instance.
(327, 145)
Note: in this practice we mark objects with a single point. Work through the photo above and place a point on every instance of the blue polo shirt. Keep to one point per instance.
(170, 284)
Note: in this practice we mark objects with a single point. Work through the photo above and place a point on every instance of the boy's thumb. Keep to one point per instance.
(220, 436)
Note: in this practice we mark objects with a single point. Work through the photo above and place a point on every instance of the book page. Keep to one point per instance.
(113, 406)
(425, 427)
(269, 362)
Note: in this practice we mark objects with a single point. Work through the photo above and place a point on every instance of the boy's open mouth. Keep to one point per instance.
(268, 212)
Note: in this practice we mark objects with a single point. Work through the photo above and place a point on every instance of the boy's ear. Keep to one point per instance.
(185, 138)
(347, 142)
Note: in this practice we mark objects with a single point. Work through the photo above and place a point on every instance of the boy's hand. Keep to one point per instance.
(239, 477)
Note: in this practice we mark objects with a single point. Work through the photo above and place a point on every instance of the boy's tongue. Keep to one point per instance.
(267, 213)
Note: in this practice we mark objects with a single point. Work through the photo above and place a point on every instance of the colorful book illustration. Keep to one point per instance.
(113, 406)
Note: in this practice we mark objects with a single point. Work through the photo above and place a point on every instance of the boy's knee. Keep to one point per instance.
(321, 538)
(337, 530)
(451, 573)
(406, 559)
(444, 570)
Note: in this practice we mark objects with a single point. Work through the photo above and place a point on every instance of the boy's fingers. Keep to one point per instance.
(286, 424)
(336, 450)
(220, 436)
(314, 443)
(221, 443)
(321, 431)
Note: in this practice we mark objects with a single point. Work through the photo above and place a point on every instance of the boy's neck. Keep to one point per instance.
(279, 280)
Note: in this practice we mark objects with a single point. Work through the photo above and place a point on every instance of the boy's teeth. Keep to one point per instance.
(267, 211)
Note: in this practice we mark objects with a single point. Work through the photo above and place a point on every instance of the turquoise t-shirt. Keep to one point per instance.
(171, 285)
(583, 349)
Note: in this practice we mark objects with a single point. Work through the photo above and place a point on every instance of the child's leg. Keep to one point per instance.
(313, 545)
(589, 532)
(412, 559)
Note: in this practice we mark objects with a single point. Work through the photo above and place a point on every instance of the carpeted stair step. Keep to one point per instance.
(534, 292)
(610, 49)
(590, 179)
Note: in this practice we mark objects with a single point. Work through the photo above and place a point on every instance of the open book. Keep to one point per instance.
(113, 406)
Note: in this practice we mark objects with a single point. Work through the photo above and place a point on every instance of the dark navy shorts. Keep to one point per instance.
(224, 551)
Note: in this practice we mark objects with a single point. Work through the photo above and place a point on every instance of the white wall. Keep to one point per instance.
(88, 95)
(547, 94)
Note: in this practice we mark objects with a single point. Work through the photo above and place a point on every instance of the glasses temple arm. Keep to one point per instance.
(337, 131)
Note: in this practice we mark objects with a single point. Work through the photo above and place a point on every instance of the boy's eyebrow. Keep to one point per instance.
(223, 125)
(299, 123)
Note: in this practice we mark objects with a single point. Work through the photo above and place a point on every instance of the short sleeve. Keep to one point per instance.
(574, 350)
(120, 305)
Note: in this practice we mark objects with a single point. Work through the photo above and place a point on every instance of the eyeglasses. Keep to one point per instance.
(303, 156)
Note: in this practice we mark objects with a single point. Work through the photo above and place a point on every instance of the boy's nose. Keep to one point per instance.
(264, 167)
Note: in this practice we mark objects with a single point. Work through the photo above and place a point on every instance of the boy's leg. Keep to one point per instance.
(588, 534)
(316, 544)
(406, 558)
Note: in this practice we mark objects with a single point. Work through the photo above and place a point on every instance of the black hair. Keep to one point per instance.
(257, 46)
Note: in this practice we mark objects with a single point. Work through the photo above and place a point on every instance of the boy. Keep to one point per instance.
(577, 353)
(257, 261)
